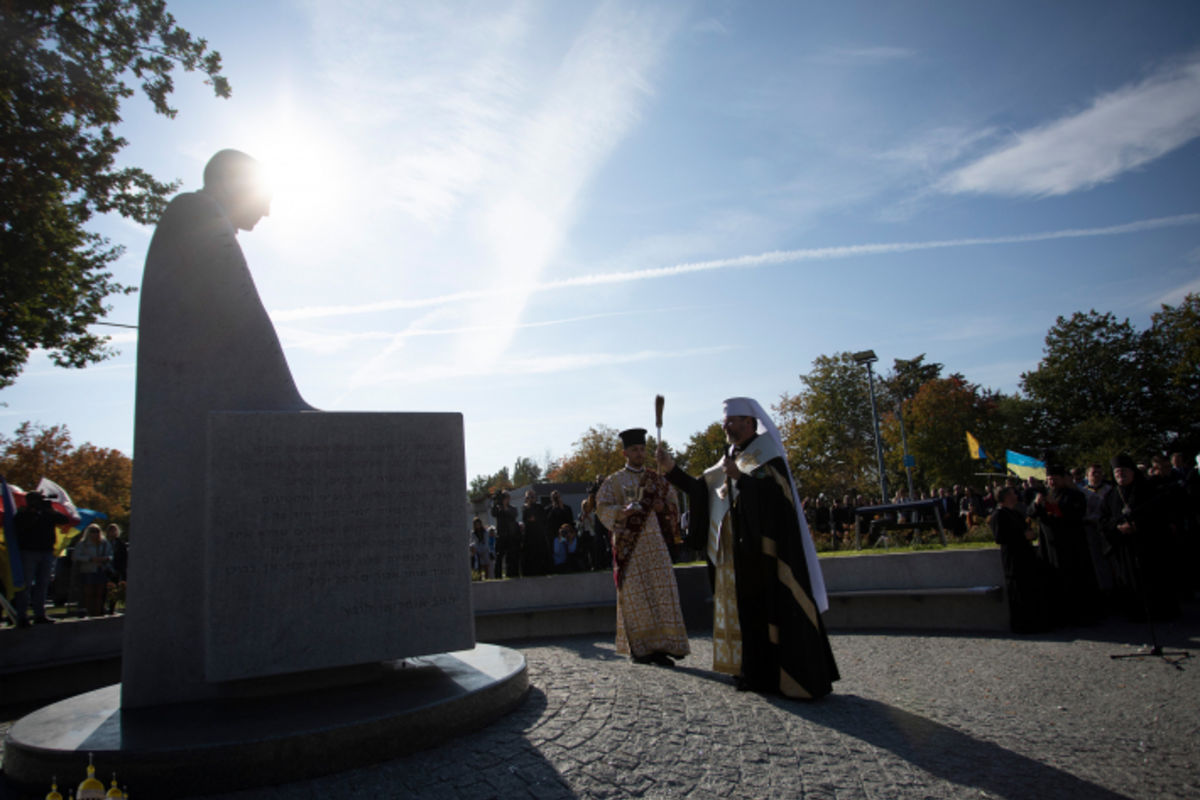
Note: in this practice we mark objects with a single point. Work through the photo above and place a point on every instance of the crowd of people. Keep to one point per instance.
(95, 561)
(542, 537)
(1076, 546)
(835, 523)
(744, 520)
(1084, 546)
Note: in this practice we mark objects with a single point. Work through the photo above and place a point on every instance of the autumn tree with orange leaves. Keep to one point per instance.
(98, 478)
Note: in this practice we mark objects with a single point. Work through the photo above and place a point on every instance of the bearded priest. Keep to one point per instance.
(768, 590)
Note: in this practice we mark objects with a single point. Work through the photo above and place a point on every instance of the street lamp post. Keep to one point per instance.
(908, 461)
(868, 358)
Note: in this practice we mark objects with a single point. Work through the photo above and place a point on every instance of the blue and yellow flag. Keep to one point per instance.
(976, 450)
(974, 446)
(1024, 466)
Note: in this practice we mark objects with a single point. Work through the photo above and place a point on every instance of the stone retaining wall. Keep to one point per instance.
(950, 589)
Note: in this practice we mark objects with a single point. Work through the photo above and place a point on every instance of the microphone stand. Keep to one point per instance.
(1155, 649)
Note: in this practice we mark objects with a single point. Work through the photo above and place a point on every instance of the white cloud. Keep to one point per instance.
(294, 338)
(537, 365)
(747, 262)
(491, 133)
(937, 147)
(866, 56)
(1176, 295)
(1119, 131)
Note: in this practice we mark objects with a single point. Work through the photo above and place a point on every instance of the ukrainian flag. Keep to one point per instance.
(976, 450)
(1024, 466)
(974, 446)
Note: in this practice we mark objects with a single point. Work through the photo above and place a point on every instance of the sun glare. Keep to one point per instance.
(305, 172)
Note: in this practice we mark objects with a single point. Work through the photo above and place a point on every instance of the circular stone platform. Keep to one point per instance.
(196, 748)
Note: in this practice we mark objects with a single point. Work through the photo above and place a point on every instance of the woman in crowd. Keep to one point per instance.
(92, 557)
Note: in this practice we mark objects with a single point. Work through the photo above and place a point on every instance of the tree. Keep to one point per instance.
(906, 378)
(96, 477)
(63, 75)
(1092, 367)
(525, 471)
(483, 486)
(704, 449)
(1171, 353)
(1103, 387)
(827, 428)
(35, 452)
(936, 420)
(598, 452)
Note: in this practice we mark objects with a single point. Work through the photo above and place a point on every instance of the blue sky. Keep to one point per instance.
(543, 214)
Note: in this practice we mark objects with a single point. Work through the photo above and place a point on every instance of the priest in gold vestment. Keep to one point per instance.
(768, 590)
(635, 503)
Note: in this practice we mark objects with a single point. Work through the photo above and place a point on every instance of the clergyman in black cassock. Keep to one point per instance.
(1063, 543)
(1133, 523)
(768, 590)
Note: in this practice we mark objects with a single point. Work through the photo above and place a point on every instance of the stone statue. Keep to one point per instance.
(205, 343)
(240, 527)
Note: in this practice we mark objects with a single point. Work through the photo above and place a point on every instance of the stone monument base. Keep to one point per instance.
(196, 748)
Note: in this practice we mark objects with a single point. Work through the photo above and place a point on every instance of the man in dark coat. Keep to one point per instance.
(559, 514)
(1024, 578)
(35, 527)
(1061, 511)
(768, 590)
(508, 538)
(536, 538)
(1133, 523)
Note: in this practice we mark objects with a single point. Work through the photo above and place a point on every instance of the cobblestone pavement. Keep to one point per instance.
(914, 716)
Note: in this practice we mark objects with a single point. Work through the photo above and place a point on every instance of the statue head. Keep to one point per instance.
(237, 182)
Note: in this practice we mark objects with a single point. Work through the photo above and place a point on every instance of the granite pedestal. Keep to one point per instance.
(378, 713)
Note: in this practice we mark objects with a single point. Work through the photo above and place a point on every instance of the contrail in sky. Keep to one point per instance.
(745, 262)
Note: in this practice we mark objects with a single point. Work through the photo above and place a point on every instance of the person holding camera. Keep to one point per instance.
(35, 525)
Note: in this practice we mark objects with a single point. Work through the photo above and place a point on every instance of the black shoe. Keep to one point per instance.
(22, 623)
(662, 659)
(643, 659)
(43, 621)
(740, 683)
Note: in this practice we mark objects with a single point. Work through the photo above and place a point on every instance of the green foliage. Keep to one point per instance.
(1010, 424)
(936, 420)
(1171, 349)
(827, 429)
(906, 378)
(1102, 387)
(597, 453)
(484, 486)
(704, 449)
(1092, 367)
(526, 471)
(63, 74)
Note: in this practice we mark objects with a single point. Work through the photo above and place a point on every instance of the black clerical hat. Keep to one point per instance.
(632, 437)
(1123, 460)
